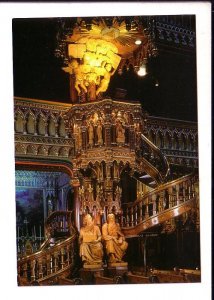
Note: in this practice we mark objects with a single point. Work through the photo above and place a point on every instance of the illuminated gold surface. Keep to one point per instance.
(99, 61)
(117, 33)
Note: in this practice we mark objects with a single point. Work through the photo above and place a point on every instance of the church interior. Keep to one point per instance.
(106, 150)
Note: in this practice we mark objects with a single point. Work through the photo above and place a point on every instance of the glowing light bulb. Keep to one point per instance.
(138, 42)
(142, 70)
(156, 83)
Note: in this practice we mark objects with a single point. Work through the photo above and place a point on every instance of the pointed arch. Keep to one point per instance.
(30, 125)
(19, 122)
(61, 127)
(41, 124)
(51, 126)
(159, 139)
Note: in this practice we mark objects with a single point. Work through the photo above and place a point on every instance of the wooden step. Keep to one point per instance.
(67, 281)
(132, 278)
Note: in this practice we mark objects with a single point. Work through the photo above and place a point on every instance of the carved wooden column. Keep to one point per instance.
(107, 134)
(172, 143)
(35, 127)
(147, 208)
(56, 129)
(84, 137)
(107, 125)
(24, 126)
(180, 143)
(155, 205)
(46, 128)
(132, 137)
(75, 184)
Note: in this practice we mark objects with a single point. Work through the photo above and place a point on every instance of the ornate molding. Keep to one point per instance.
(41, 104)
(44, 140)
(107, 155)
(181, 37)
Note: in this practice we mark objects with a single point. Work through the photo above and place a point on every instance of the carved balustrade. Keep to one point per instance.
(148, 152)
(59, 224)
(160, 200)
(178, 140)
(42, 129)
(45, 264)
(53, 257)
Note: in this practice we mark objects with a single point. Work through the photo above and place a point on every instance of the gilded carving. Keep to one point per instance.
(99, 131)
(91, 134)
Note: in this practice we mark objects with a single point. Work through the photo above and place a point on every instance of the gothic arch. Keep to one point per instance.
(52, 125)
(152, 136)
(159, 140)
(175, 143)
(19, 122)
(168, 140)
(190, 142)
(41, 124)
(61, 127)
(30, 123)
(39, 165)
(183, 141)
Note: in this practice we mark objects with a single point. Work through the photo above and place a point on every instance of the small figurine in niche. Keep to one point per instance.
(99, 133)
(120, 133)
(91, 134)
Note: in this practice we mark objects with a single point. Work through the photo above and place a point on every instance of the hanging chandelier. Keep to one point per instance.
(93, 49)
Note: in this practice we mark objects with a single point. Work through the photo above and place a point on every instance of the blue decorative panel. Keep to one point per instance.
(29, 211)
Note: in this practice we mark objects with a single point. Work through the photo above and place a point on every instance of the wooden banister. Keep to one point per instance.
(50, 261)
(171, 202)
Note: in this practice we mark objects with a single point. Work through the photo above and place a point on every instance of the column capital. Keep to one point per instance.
(75, 182)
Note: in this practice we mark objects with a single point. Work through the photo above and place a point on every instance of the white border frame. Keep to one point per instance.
(8, 271)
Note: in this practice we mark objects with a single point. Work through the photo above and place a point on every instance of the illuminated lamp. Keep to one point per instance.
(138, 42)
(142, 70)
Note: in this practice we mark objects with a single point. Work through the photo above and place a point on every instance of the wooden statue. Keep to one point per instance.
(114, 239)
(91, 249)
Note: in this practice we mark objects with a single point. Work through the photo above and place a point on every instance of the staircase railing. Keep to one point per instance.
(153, 160)
(59, 224)
(164, 202)
(52, 260)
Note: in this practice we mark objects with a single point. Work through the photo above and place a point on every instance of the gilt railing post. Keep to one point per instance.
(40, 267)
(147, 208)
(25, 270)
(32, 269)
(68, 254)
(141, 213)
(62, 257)
(56, 261)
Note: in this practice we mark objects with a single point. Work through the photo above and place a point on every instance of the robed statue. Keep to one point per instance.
(91, 249)
(114, 240)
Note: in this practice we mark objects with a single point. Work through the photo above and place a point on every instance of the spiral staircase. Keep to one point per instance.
(57, 261)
